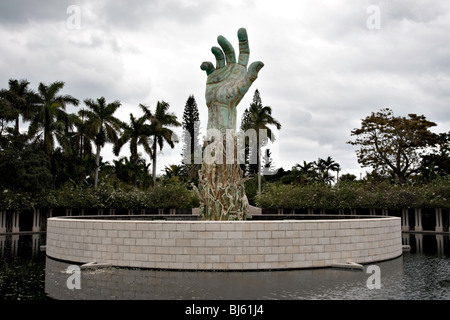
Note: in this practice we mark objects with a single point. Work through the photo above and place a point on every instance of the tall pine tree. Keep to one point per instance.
(250, 167)
(268, 166)
(258, 117)
(191, 132)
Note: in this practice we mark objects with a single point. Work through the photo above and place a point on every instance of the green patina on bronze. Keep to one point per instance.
(221, 188)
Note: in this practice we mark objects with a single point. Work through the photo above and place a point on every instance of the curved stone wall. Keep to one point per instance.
(223, 245)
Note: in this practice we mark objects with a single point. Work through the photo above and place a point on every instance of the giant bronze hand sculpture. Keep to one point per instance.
(221, 188)
(227, 84)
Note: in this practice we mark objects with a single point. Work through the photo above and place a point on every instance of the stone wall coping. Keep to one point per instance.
(81, 218)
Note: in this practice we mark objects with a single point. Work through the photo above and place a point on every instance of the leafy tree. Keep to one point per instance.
(160, 122)
(258, 118)
(393, 144)
(7, 115)
(23, 166)
(71, 168)
(103, 124)
(347, 177)
(437, 162)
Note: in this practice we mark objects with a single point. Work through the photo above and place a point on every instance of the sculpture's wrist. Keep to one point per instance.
(222, 116)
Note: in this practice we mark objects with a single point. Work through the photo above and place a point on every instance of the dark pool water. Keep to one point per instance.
(421, 274)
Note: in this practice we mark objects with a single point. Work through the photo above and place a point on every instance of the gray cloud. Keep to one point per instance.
(22, 12)
(324, 69)
(144, 13)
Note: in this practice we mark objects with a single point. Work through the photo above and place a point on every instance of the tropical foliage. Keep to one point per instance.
(259, 118)
(102, 124)
(356, 195)
(51, 121)
(105, 196)
(58, 147)
(312, 172)
(51, 158)
(56, 161)
(160, 123)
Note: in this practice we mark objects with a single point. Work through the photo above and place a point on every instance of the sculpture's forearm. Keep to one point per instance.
(221, 116)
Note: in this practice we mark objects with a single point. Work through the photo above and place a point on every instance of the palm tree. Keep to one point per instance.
(20, 101)
(82, 137)
(51, 116)
(103, 125)
(7, 114)
(304, 173)
(66, 134)
(137, 132)
(174, 172)
(125, 170)
(132, 171)
(332, 165)
(160, 121)
(324, 167)
(259, 118)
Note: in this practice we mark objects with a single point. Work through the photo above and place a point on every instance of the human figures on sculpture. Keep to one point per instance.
(221, 189)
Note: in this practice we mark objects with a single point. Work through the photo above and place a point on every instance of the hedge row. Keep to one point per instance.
(355, 195)
(167, 196)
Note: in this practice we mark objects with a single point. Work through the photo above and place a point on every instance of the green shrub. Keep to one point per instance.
(439, 194)
(170, 196)
(355, 195)
(166, 196)
(348, 195)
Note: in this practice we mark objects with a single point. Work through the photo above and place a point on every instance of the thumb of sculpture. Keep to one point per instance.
(253, 71)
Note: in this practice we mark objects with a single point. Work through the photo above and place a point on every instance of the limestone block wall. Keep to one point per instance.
(223, 245)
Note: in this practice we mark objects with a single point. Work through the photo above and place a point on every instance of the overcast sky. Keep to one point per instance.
(328, 64)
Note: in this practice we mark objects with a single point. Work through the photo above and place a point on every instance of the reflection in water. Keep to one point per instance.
(120, 283)
(423, 273)
(29, 245)
(22, 267)
(427, 243)
(437, 244)
(413, 276)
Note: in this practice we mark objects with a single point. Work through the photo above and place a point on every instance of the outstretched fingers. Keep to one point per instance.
(220, 59)
(208, 67)
(226, 55)
(227, 49)
(253, 71)
(244, 49)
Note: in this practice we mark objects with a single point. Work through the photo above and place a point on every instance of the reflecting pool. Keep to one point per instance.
(423, 274)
